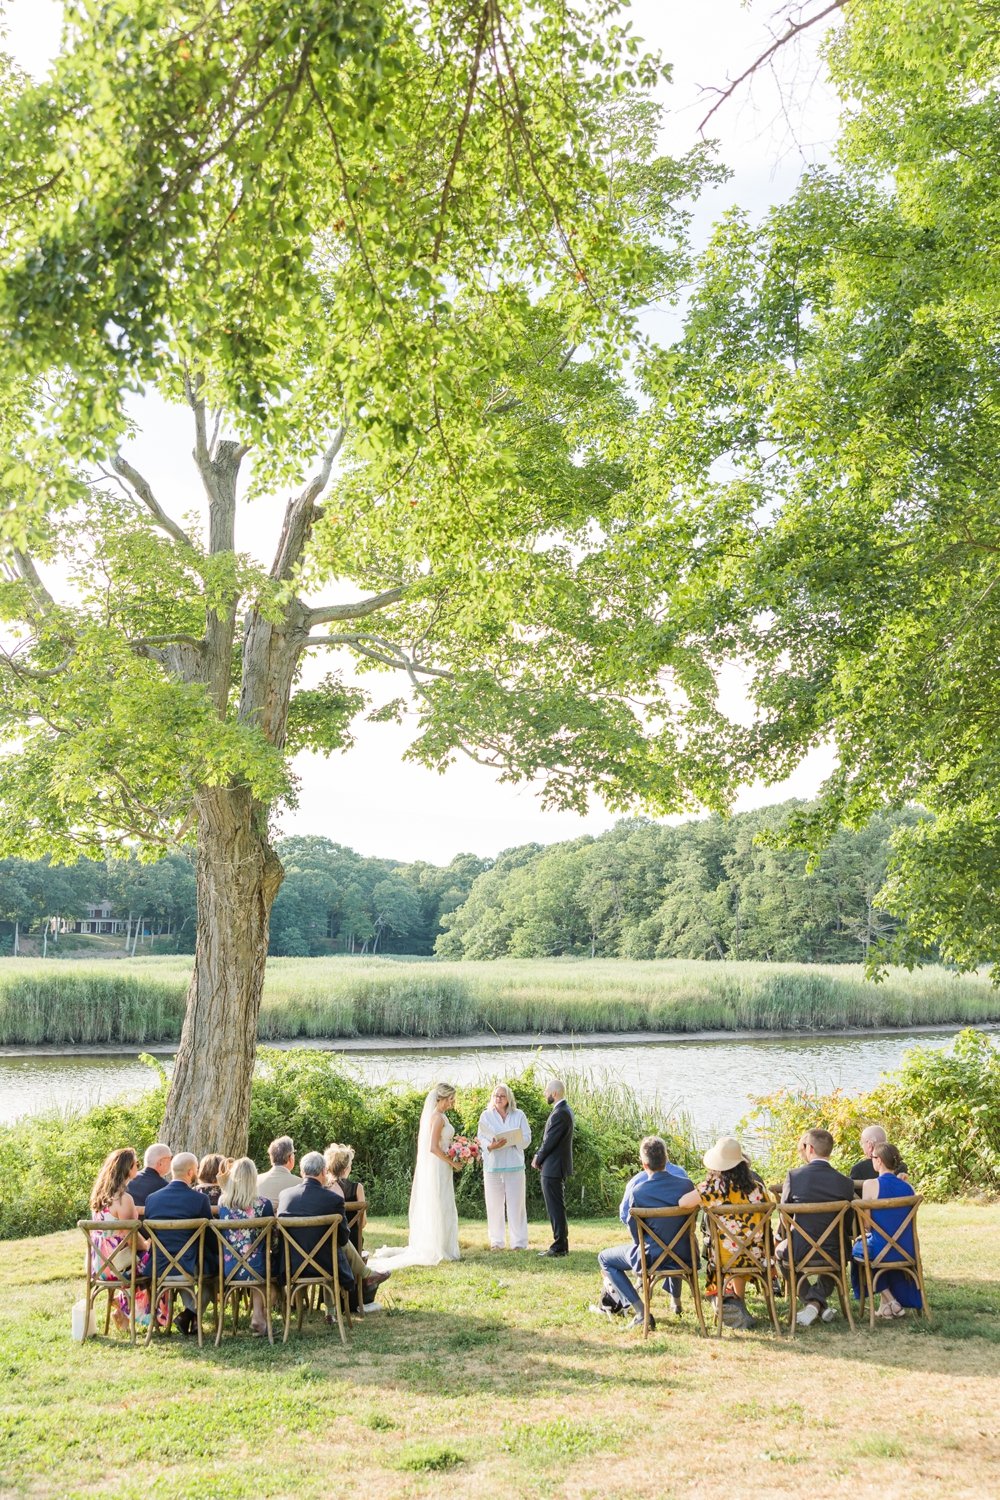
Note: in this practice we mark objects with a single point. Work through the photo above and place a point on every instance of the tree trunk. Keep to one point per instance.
(238, 876)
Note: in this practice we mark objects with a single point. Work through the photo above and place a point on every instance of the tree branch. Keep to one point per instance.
(356, 609)
(143, 489)
(42, 599)
(794, 29)
(299, 514)
(379, 649)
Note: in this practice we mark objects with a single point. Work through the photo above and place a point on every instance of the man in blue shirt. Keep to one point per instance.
(658, 1185)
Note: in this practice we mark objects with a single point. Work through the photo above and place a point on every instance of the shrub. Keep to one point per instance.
(48, 1162)
(941, 1108)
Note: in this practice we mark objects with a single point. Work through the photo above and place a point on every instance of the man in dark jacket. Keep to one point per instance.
(155, 1174)
(312, 1200)
(180, 1199)
(554, 1160)
(816, 1182)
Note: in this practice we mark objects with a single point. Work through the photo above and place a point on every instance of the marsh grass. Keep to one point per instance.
(557, 1405)
(141, 1001)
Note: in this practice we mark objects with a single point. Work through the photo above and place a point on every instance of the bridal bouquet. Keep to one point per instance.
(462, 1150)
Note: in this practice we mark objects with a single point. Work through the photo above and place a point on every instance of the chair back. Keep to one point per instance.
(674, 1245)
(355, 1211)
(309, 1271)
(106, 1265)
(167, 1265)
(747, 1227)
(242, 1271)
(817, 1235)
(893, 1253)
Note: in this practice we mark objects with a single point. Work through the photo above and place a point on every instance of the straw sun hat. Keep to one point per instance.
(724, 1155)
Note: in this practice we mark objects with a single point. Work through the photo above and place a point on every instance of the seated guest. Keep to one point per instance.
(816, 1181)
(653, 1187)
(110, 1199)
(312, 1199)
(339, 1160)
(182, 1200)
(154, 1175)
(208, 1177)
(730, 1180)
(281, 1175)
(898, 1291)
(241, 1200)
(864, 1170)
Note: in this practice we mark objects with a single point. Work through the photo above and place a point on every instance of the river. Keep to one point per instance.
(709, 1078)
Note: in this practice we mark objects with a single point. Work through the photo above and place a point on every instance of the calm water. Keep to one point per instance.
(711, 1080)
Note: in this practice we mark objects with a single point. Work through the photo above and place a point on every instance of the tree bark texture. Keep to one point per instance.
(238, 877)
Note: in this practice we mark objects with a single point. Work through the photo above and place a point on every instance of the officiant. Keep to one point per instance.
(503, 1134)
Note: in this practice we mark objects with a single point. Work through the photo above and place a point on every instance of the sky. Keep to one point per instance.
(371, 799)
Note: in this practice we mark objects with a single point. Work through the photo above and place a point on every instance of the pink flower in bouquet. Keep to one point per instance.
(462, 1150)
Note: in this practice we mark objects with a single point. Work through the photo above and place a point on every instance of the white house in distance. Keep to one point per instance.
(99, 919)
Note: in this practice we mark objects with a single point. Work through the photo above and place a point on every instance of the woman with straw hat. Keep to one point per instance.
(729, 1180)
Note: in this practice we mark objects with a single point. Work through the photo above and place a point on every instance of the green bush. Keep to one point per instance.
(941, 1108)
(48, 1162)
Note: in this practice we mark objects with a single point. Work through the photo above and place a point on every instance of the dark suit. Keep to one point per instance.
(818, 1182)
(312, 1200)
(179, 1201)
(554, 1159)
(145, 1182)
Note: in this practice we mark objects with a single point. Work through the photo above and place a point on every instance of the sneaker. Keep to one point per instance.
(829, 1315)
(638, 1322)
(808, 1315)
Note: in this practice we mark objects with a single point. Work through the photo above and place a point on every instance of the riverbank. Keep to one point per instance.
(141, 1002)
(492, 1377)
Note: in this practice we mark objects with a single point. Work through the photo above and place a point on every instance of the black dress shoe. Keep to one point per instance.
(553, 1252)
(187, 1322)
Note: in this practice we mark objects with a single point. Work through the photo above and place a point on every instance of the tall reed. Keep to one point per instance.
(142, 1001)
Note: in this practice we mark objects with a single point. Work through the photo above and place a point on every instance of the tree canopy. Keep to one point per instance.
(823, 450)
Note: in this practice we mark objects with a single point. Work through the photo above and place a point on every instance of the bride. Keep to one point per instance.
(433, 1215)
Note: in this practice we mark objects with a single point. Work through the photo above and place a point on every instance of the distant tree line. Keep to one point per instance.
(713, 888)
(704, 889)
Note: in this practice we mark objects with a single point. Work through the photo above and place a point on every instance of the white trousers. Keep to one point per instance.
(506, 1190)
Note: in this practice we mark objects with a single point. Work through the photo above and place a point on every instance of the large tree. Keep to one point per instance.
(823, 455)
(396, 248)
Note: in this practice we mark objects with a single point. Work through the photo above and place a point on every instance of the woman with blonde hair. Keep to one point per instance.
(339, 1160)
(503, 1133)
(240, 1200)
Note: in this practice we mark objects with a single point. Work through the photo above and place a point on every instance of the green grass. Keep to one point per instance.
(525, 1394)
(141, 1001)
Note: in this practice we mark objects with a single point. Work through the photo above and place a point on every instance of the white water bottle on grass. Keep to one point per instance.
(84, 1322)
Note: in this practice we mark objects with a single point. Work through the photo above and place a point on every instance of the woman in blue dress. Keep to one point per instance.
(898, 1290)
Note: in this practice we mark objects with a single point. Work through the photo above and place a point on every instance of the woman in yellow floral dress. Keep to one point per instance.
(730, 1179)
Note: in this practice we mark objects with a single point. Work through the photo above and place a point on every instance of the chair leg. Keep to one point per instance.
(287, 1307)
(699, 1309)
(843, 1292)
(768, 1289)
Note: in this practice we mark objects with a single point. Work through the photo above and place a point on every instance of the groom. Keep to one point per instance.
(554, 1159)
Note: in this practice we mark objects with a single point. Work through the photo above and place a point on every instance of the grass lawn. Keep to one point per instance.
(490, 1378)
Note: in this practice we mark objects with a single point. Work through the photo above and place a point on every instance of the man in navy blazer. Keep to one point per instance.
(554, 1160)
(312, 1200)
(816, 1181)
(658, 1185)
(155, 1175)
(180, 1199)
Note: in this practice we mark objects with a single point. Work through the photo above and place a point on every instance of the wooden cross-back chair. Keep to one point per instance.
(892, 1256)
(825, 1250)
(111, 1269)
(310, 1272)
(168, 1275)
(355, 1211)
(748, 1227)
(674, 1252)
(242, 1278)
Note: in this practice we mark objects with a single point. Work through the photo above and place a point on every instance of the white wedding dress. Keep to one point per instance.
(433, 1215)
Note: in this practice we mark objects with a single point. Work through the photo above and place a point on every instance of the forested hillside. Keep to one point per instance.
(710, 888)
(705, 889)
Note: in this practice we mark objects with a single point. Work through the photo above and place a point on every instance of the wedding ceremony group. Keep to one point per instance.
(218, 1231)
